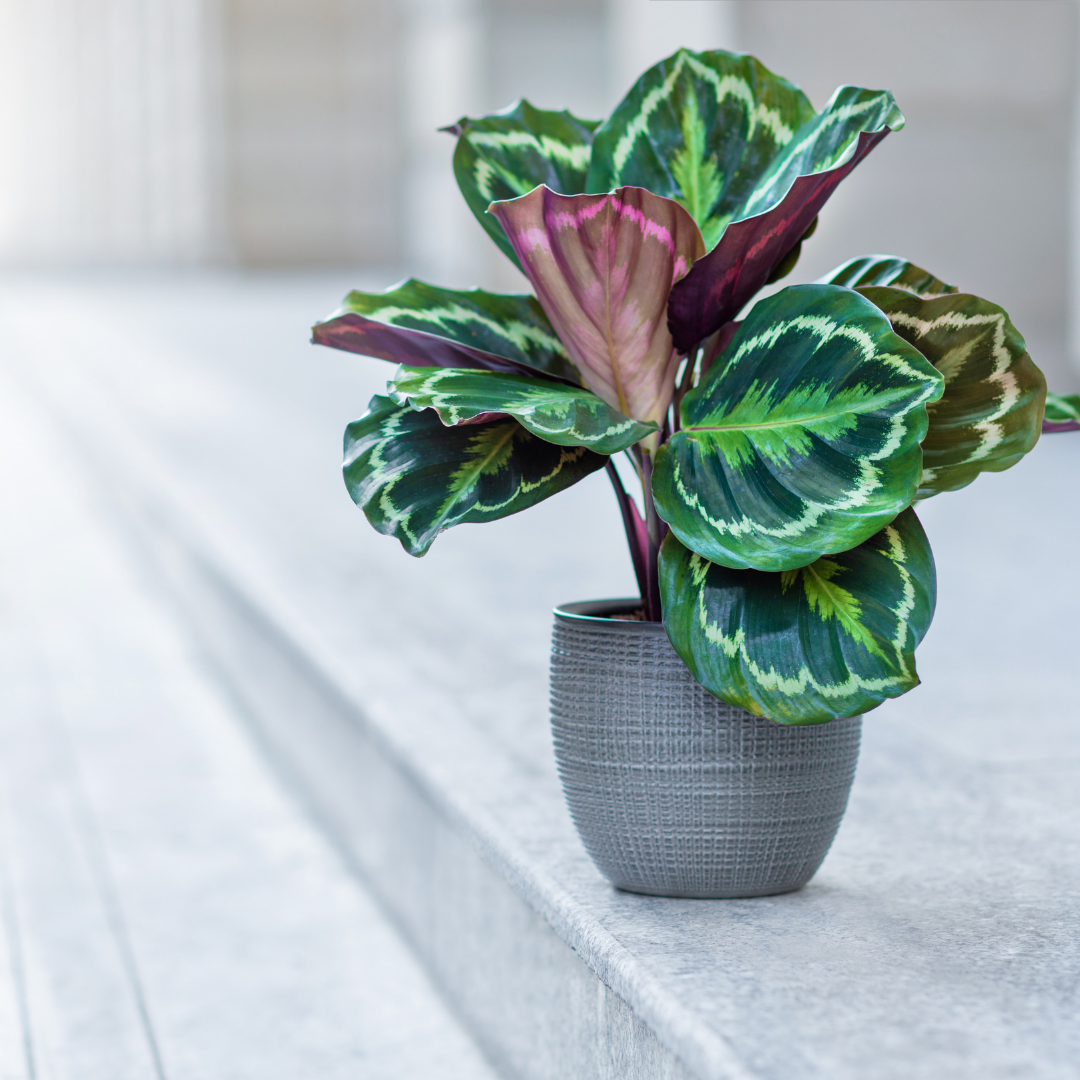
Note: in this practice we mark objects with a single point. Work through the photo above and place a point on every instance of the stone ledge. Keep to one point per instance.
(938, 939)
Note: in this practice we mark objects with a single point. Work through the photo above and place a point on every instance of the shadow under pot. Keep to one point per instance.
(674, 792)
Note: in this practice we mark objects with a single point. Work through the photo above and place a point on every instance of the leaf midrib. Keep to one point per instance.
(771, 424)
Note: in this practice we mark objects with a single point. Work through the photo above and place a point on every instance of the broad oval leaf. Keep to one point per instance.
(831, 639)
(887, 270)
(508, 154)
(602, 267)
(413, 477)
(567, 415)
(780, 211)
(803, 439)
(1062, 413)
(990, 415)
(701, 128)
(424, 326)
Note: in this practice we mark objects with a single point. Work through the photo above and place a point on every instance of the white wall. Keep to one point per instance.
(977, 187)
(302, 132)
(106, 131)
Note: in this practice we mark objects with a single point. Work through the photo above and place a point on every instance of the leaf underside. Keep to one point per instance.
(602, 266)
(753, 249)
(508, 154)
(425, 326)
(414, 477)
(990, 414)
(835, 638)
(566, 415)
(803, 439)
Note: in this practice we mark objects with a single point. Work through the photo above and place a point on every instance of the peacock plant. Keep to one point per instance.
(779, 456)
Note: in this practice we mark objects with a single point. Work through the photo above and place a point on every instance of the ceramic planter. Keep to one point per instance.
(676, 793)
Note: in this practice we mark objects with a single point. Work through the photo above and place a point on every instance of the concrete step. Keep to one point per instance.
(404, 702)
(167, 910)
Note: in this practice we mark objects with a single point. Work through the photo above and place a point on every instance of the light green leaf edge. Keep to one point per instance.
(887, 270)
(736, 442)
(833, 639)
(1061, 408)
(565, 415)
(991, 412)
(508, 325)
(414, 478)
(509, 153)
(726, 138)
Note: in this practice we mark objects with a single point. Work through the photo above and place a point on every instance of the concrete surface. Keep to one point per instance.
(405, 702)
(167, 911)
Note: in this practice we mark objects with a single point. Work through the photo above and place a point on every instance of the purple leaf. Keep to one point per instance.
(414, 348)
(602, 267)
(719, 285)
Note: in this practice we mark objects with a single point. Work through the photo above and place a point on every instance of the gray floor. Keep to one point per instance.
(939, 939)
(167, 910)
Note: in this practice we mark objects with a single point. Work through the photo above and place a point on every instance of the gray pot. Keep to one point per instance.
(676, 793)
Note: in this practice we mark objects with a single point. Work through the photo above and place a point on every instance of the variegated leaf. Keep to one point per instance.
(802, 439)
(508, 154)
(701, 128)
(831, 639)
(567, 415)
(413, 477)
(1062, 413)
(780, 211)
(887, 270)
(602, 267)
(990, 415)
(425, 326)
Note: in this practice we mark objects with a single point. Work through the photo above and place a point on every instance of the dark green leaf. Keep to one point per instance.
(508, 154)
(413, 477)
(990, 415)
(423, 326)
(778, 213)
(887, 270)
(831, 639)
(700, 128)
(803, 438)
(567, 415)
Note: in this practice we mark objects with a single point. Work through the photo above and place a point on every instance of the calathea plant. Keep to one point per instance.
(779, 456)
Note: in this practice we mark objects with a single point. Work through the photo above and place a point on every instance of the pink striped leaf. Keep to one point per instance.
(602, 267)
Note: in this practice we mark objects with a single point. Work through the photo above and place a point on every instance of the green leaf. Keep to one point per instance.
(824, 142)
(508, 154)
(804, 646)
(414, 477)
(990, 415)
(1062, 412)
(566, 415)
(725, 137)
(887, 270)
(803, 439)
(700, 128)
(423, 325)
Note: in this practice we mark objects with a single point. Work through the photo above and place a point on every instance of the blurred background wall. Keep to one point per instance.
(302, 133)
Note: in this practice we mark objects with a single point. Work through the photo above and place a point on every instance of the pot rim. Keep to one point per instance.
(601, 611)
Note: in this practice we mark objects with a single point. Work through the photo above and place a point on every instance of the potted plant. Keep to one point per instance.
(706, 731)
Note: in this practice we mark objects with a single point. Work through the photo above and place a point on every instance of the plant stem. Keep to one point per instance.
(656, 529)
(636, 536)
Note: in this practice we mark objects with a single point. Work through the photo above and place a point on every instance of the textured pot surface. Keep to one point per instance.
(676, 793)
